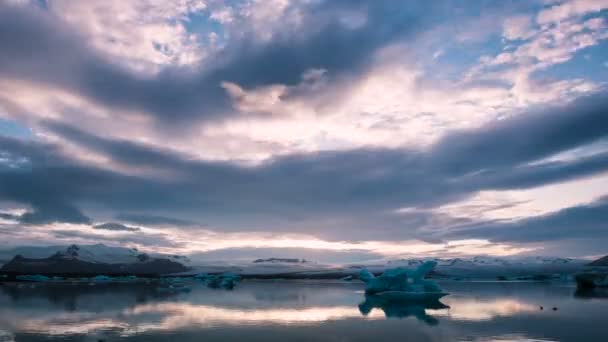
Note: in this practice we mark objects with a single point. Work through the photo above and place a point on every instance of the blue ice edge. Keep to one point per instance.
(403, 284)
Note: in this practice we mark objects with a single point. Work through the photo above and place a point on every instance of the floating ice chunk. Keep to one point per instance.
(201, 276)
(366, 276)
(225, 280)
(401, 279)
(36, 278)
(102, 279)
(128, 278)
(230, 275)
(227, 283)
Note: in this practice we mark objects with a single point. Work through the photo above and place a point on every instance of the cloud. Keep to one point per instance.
(326, 118)
(569, 9)
(584, 221)
(325, 193)
(518, 27)
(150, 241)
(176, 94)
(155, 220)
(116, 227)
(533, 136)
(46, 212)
(315, 255)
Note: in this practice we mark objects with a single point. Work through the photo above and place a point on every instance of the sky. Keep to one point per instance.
(333, 130)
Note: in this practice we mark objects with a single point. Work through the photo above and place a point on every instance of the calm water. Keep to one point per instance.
(298, 311)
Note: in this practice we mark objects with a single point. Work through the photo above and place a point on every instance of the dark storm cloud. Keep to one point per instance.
(7, 216)
(334, 194)
(150, 240)
(36, 46)
(116, 227)
(527, 137)
(587, 220)
(52, 212)
(155, 220)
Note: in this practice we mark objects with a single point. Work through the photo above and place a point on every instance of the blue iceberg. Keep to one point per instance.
(225, 280)
(35, 278)
(201, 276)
(102, 279)
(403, 284)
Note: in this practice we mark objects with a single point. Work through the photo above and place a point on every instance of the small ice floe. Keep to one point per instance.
(225, 280)
(201, 276)
(102, 279)
(35, 278)
(174, 288)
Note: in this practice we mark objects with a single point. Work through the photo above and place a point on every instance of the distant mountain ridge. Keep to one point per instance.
(603, 261)
(129, 260)
(280, 260)
(98, 253)
(94, 260)
(488, 261)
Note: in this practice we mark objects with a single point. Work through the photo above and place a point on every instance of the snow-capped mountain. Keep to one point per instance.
(477, 267)
(280, 260)
(488, 261)
(486, 267)
(98, 253)
(95, 259)
(601, 262)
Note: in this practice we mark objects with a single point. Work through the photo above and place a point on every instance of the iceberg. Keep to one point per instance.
(201, 276)
(102, 279)
(402, 283)
(35, 278)
(225, 280)
(402, 292)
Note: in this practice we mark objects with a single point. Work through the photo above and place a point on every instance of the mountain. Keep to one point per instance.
(280, 260)
(98, 253)
(477, 267)
(96, 259)
(482, 261)
(107, 259)
(485, 267)
(599, 262)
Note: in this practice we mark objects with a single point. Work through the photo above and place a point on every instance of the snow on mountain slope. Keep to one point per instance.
(481, 267)
(599, 262)
(492, 267)
(98, 253)
(478, 267)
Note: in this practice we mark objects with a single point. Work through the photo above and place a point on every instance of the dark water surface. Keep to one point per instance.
(298, 311)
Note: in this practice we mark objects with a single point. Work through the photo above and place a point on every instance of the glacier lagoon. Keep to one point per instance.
(279, 310)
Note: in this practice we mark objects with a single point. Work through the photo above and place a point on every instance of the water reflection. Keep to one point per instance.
(475, 311)
(402, 308)
(469, 309)
(597, 293)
